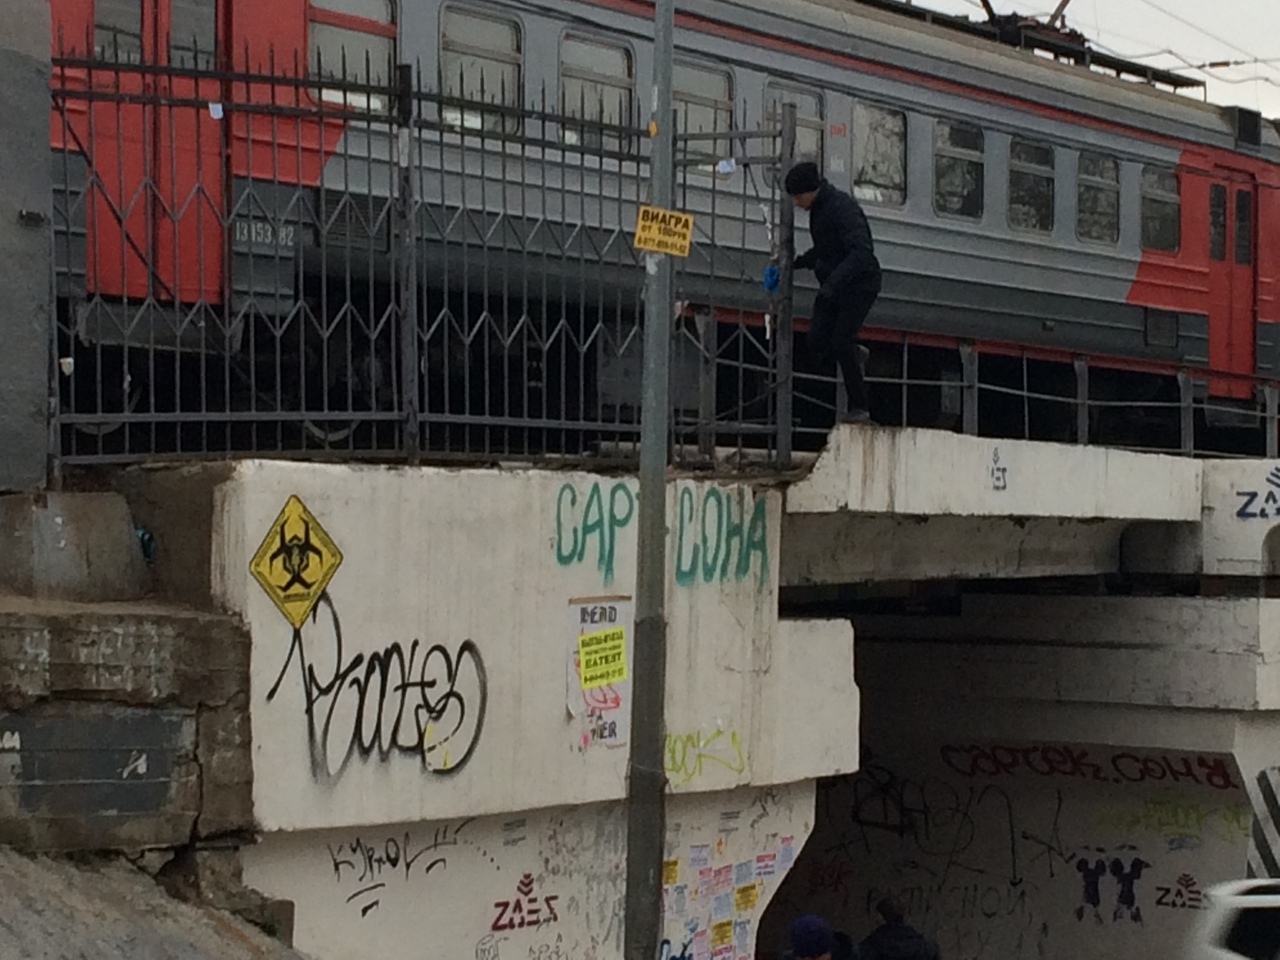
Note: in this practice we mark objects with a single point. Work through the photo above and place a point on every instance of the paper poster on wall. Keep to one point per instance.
(598, 670)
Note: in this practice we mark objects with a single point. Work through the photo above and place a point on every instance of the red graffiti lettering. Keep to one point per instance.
(1061, 760)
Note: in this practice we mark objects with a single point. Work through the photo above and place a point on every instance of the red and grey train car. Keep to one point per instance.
(1022, 205)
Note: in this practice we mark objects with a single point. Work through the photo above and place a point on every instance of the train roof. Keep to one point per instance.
(878, 32)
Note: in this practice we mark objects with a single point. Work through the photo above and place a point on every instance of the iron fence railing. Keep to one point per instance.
(256, 265)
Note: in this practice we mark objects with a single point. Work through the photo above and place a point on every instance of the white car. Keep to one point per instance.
(1240, 919)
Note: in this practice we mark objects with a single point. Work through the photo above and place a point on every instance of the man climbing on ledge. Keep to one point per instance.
(844, 260)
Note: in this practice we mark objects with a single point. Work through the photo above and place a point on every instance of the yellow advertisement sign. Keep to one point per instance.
(670, 872)
(602, 657)
(721, 933)
(663, 231)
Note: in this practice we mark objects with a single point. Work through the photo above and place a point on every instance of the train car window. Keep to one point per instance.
(193, 28)
(597, 81)
(381, 10)
(810, 122)
(1098, 198)
(480, 61)
(340, 53)
(1217, 222)
(1030, 186)
(958, 164)
(704, 104)
(879, 154)
(1161, 209)
(117, 30)
(1244, 227)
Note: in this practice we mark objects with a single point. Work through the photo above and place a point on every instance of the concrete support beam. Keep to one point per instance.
(853, 548)
(1190, 653)
(1241, 514)
(933, 473)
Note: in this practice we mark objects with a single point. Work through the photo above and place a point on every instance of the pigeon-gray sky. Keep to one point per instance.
(1175, 34)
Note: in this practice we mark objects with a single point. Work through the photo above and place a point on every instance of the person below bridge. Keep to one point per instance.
(844, 260)
(893, 939)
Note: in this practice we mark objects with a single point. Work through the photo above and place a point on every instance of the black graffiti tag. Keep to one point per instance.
(423, 702)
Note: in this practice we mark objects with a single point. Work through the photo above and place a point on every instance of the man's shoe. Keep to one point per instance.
(856, 416)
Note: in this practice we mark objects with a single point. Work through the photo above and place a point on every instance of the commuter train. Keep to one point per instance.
(1020, 204)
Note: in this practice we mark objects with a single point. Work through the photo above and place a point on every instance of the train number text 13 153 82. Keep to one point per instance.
(265, 233)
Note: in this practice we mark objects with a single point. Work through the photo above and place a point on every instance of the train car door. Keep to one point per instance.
(156, 150)
(1232, 277)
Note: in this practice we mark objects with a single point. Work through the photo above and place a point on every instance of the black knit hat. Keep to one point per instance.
(803, 178)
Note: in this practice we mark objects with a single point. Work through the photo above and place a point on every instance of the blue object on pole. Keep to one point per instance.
(771, 278)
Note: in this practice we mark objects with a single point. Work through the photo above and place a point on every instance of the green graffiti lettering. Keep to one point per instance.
(565, 557)
(575, 531)
(617, 520)
(593, 525)
(710, 557)
(686, 573)
(757, 542)
(733, 531)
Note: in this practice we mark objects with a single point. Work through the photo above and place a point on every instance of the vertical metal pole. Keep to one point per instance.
(1082, 400)
(786, 307)
(709, 339)
(1186, 394)
(646, 780)
(969, 403)
(406, 215)
(1271, 400)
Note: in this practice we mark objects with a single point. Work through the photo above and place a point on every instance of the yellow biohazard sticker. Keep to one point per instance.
(296, 561)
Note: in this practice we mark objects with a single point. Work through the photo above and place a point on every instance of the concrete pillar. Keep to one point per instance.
(25, 198)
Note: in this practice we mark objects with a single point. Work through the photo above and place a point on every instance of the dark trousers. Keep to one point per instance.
(833, 333)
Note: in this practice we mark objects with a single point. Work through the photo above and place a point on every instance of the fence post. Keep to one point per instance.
(786, 298)
(1271, 420)
(1186, 406)
(1082, 400)
(407, 251)
(969, 402)
(709, 341)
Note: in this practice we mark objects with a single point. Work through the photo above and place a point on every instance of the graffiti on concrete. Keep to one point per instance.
(715, 540)
(527, 908)
(365, 864)
(1259, 503)
(1072, 762)
(721, 534)
(1183, 894)
(589, 524)
(422, 701)
(689, 754)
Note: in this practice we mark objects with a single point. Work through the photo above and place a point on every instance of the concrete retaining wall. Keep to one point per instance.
(121, 728)
(435, 676)
(546, 885)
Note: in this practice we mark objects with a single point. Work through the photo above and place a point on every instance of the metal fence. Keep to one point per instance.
(252, 264)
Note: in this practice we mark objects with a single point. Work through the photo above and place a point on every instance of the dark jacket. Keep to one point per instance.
(897, 941)
(843, 255)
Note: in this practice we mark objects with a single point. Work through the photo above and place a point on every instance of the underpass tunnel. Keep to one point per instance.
(1046, 776)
